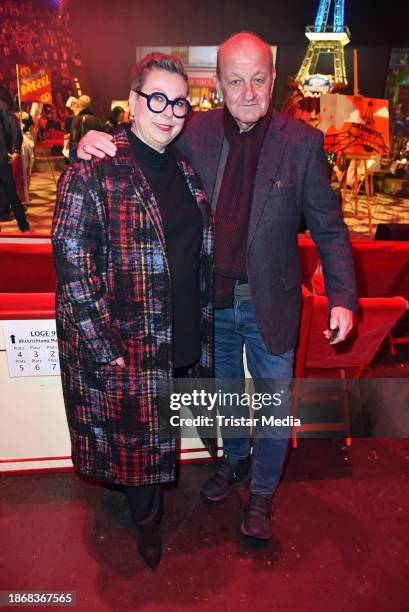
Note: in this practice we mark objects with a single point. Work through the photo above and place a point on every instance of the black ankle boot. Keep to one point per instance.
(146, 505)
(150, 546)
(149, 540)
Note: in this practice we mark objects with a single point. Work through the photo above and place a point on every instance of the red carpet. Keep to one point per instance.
(340, 527)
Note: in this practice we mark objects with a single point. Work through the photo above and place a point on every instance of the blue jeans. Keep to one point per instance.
(236, 328)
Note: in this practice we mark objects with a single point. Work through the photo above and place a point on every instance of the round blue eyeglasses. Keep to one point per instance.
(157, 102)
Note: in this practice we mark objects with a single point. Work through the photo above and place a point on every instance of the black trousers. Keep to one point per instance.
(9, 186)
(145, 504)
(145, 501)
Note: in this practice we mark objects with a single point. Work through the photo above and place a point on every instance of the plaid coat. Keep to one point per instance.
(114, 298)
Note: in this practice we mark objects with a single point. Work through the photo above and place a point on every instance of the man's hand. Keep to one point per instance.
(95, 144)
(119, 362)
(12, 157)
(342, 319)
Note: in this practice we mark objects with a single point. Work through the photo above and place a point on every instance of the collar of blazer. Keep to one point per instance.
(267, 177)
(271, 154)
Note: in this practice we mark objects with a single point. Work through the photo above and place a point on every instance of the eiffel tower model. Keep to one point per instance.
(323, 39)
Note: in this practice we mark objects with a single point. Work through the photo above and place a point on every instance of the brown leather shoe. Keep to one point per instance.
(257, 517)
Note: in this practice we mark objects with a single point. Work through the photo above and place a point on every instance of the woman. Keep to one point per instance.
(132, 244)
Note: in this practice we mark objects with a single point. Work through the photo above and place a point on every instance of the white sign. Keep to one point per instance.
(31, 347)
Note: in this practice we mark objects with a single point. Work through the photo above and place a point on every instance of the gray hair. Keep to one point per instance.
(244, 34)
(160, 61)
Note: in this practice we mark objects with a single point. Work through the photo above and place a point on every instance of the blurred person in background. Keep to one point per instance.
(84, 120)
(116, 117)
(73, 106)
(27, 148)
(10, 147)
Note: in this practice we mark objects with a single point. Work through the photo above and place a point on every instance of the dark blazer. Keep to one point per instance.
(292, 179)
(114, 298)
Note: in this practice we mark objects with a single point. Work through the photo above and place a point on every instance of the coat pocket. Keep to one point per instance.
(288, 282)
(279, 188)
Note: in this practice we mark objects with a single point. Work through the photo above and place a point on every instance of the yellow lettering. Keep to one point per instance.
(23, 89)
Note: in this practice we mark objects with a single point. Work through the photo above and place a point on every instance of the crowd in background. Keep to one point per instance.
(39, 37)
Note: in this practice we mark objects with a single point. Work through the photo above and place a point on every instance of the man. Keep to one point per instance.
(10, 147)
(84, 120)
(262, 171)
(72, 105)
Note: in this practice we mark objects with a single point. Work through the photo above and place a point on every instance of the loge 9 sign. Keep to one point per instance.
(31, 347)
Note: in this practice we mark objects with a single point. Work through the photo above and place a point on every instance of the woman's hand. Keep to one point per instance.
(119, 362)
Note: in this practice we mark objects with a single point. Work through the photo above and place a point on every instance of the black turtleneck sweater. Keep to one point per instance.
(182, 222)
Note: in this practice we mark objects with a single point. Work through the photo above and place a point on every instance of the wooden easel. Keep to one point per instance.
(357, 157)
(367, 178)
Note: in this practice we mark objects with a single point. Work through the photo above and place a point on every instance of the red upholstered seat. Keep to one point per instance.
(376, 318)
(27, 306)
(309, 259)
(382, 269)
(26, 268)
